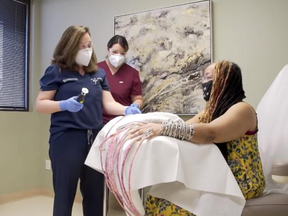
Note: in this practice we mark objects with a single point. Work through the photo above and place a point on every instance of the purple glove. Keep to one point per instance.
(71, 105)
(132, 110)
(135, 105)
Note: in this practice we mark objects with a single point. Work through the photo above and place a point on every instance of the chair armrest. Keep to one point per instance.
(280, 171)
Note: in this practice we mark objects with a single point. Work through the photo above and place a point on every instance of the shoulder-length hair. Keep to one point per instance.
(67, 48)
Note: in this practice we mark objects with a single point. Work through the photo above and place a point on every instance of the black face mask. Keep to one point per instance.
(207, 87)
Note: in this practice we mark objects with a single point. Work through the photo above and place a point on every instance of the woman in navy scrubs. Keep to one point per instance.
(75, 125)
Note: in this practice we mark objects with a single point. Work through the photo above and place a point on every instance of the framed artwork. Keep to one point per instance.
(169, 46)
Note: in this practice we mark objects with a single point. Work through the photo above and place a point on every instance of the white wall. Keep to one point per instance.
(250, 33)
(253, 34)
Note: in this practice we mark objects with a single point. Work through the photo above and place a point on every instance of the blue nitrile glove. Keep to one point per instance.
(135, 105)
(132, 110)
(71, 105)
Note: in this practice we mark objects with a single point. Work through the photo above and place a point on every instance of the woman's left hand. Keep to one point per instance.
(146, 131)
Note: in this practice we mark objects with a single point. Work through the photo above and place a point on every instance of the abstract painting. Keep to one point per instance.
(170, 47)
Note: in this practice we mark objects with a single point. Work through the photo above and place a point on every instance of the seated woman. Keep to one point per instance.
(226, 121)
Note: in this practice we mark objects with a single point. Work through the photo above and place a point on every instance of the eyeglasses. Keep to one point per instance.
(117, 52)
(85, 45)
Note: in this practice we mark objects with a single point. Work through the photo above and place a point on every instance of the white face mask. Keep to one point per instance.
(116, 60)
(84, 56)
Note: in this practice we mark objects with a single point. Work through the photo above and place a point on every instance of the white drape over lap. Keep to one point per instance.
(195, 177)
(273, 128)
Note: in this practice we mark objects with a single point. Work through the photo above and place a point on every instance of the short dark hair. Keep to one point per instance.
(118, 39)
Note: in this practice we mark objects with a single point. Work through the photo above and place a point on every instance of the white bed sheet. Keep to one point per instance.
(195, 177)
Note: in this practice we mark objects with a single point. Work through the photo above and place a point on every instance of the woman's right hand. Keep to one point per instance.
(71, 105)
(146, 130)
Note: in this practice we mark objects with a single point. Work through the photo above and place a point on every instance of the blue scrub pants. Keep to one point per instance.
(68, 152)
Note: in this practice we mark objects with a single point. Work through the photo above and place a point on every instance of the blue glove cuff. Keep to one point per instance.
(63, 105)
(126, 112)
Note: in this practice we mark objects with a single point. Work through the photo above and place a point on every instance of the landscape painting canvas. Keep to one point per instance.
(169, 46)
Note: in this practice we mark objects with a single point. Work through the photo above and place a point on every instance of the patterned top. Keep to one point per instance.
(243, 158)
(244, 161)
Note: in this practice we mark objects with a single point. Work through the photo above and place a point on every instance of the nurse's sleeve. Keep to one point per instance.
(137, 84)
(51, 79)
(104, 83)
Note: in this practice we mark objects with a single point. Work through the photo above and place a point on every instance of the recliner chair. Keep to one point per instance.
(273, 145)
(272, 204)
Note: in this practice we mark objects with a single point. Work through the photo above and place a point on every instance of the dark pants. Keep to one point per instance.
(68, 153)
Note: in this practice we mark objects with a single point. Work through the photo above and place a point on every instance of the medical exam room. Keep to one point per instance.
(167, 107)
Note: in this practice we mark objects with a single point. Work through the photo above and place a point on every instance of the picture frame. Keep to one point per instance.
(170, 47)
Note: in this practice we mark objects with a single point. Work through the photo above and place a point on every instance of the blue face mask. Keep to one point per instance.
(207, 87)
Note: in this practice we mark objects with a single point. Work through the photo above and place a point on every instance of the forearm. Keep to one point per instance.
(47, 106)
(203, 134)
(230, 126)
(114, 108)
(139, 102)
(195, 133)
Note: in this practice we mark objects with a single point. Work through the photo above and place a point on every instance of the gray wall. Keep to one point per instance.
(250, 33)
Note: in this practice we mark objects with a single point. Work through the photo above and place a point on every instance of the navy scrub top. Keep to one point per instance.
(68, 84)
